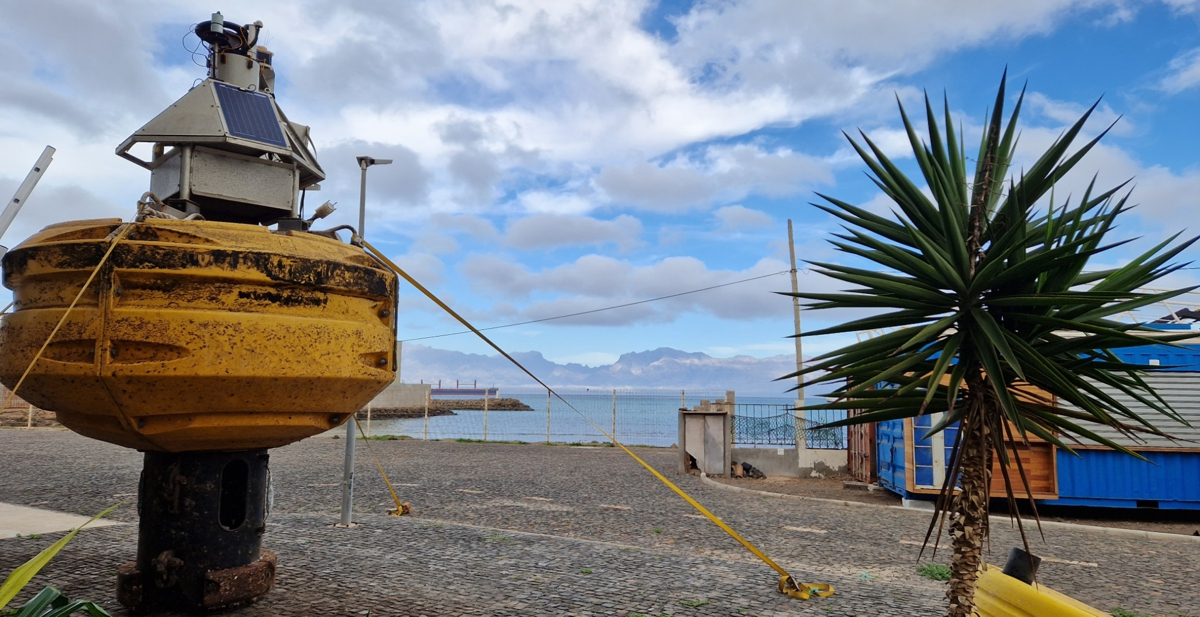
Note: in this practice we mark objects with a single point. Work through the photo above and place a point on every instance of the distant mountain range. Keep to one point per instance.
(661, 368)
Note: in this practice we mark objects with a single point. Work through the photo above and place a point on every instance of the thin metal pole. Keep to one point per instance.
(547, 416)
(348, 474)
(31, 179)
(614, 427)
(368, 419)
(485, 413)
(362, 201)
(796, 313)
(185, 172)
(29, 420)
(427, 396)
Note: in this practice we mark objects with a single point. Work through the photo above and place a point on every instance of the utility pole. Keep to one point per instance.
(796, 314)
(803, 460)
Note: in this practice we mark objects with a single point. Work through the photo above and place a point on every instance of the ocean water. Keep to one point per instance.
(636, 417)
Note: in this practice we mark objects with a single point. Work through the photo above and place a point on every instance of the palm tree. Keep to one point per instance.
(983, 287)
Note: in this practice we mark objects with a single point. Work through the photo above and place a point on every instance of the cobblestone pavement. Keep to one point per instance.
(516, 529)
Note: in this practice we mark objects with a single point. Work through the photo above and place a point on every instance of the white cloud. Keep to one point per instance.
(425, 267)
(554, 230)
(736, 218)
(554, 110)
(403, 182)
(1183, 6)
(662, 189)
(51, 203)
(1184, 73)
(592, 359)
(477, 228)
(774, 42)
(562, 203)
(720, 173)
(1165, 198)
(595, 281)
(477, 99)
(1067, 113)
(435, 243)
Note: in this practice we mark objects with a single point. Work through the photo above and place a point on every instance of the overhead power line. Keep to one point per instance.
(607, 308)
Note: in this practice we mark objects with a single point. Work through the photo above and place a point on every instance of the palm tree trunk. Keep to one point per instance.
(969, 509)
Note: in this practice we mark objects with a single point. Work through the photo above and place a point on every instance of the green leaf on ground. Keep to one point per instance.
(935, 571)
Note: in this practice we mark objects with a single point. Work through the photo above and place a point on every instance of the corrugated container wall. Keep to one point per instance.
(1096, 476)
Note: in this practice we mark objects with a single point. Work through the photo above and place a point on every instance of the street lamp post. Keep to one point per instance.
(348, 472)
(363, 163)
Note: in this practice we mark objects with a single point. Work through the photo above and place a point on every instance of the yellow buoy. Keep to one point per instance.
(1000, 595)
(197, 335)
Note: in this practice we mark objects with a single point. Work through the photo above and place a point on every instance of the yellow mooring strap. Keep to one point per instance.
(124, 229)
(787, 584)
(401, 508)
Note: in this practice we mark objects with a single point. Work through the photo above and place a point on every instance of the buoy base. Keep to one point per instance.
(203, 515)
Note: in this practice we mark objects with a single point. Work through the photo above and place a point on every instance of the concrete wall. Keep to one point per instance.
(402, 395)
(821, 463)
(771, 461)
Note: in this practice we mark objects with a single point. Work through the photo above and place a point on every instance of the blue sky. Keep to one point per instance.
(554, 157)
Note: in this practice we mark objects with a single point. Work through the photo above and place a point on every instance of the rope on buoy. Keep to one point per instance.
(787, 584)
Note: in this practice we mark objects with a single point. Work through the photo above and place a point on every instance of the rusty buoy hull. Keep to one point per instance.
(196, 335)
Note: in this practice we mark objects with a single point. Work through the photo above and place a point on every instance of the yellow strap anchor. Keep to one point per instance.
(401, 508)
(787, 584)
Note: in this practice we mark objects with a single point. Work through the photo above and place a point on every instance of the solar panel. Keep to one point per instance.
(249, 115)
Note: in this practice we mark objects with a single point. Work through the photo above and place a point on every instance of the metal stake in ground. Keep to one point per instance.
(348, 475)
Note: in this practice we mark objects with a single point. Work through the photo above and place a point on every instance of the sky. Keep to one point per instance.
(559, 156)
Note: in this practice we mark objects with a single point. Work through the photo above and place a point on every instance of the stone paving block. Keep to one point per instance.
(508, 529)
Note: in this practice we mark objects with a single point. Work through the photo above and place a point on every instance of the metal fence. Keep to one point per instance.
(17, 412)
(764, 425)
(648, 417)
(776, 425)
(824, 438)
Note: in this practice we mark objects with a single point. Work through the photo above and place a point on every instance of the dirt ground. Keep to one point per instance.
(528, 530)
(1163, 521)
(1182, 522)
(823, 488)
(20, 417)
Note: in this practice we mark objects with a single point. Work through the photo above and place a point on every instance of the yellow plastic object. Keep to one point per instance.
(198, 335)
(1000, 595)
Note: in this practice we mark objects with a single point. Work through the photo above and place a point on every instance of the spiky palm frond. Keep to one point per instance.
(981, 276)
(981, 285)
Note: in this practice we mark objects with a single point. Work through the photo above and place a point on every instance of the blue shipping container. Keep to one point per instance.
(1170, 480)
